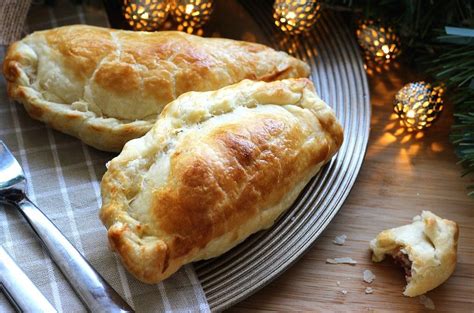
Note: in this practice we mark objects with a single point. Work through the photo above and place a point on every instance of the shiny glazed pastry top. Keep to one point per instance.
(216, 167)
(107, 86)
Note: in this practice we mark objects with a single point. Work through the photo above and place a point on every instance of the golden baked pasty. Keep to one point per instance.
(107, 86)
(216, 167)
(426, 249)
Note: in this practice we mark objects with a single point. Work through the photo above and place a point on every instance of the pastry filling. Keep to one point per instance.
(401, 258)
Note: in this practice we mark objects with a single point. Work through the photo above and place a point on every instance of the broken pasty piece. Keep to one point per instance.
(215, 168)
(426, 249)
(107, 86)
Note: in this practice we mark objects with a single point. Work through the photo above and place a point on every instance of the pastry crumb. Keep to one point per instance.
(369, 290)
(344, 260)
(427, 302)
(369, 277)
(338, 283)
(344, 291)
(340, 240)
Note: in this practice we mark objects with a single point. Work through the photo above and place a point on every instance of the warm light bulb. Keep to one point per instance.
(418, 105)
(145, 15)
(296, 16)
(379, 43)
(189, 8)
(291, 15)
(191, 15)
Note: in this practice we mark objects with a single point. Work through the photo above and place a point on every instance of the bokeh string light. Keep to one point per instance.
(296, 16)
(191, 15)
(380, 44)
(418, 105)
(145, 15)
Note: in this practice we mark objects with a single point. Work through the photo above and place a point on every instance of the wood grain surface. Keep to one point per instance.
(402, 174)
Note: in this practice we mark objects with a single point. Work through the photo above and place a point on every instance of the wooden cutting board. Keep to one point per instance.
(401, 176)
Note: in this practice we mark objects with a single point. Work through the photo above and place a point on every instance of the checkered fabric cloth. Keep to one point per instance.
(63, 180)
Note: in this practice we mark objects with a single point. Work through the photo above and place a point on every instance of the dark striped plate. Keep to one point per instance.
(339, 77)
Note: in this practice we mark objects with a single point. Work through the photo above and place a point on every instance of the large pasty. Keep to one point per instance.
(107, 86)
(216, 167)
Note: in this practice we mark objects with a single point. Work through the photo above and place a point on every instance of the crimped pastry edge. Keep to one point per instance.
(86, 126)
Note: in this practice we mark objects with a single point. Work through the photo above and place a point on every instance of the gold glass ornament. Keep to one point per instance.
(418, 105)
(380, 43)
(146, 15)
(191, 15)
(296, 16)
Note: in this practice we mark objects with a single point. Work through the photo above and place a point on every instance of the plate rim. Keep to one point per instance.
(343, 32)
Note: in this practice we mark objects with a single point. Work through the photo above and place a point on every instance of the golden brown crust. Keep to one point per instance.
(430, 243)
(107, 86)
(215, 168)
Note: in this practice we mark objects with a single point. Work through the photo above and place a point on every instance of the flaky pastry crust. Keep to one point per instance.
(430, 243)
(107, 86)
(215, 168)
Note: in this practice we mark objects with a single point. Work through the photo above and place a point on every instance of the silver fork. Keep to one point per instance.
(91, 288)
